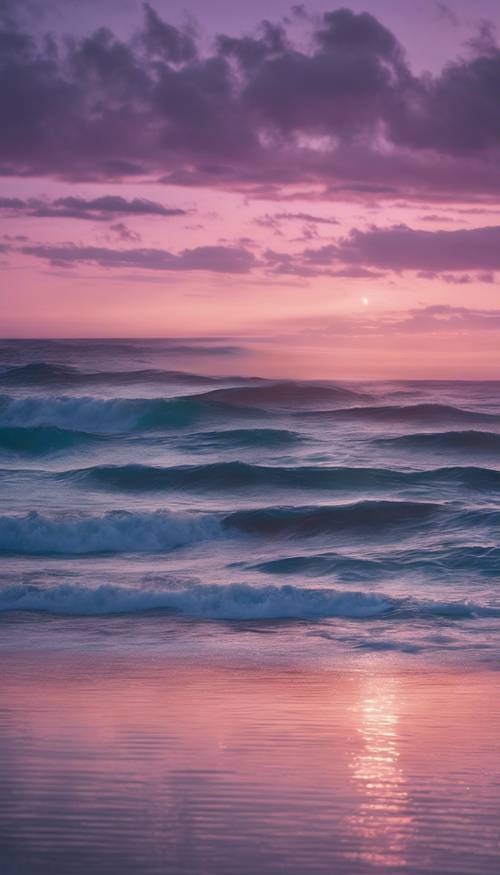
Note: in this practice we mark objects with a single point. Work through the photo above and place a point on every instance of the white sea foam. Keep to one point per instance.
(112, 532)
(231, 601)
(236, 601)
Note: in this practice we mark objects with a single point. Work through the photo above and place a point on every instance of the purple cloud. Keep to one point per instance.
(217, 259)
(255, 113)
(358, 273)
(96, 209)
(450, 255)
(125, 233)
(403, 248)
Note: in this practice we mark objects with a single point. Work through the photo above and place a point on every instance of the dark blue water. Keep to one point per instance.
(368, 514)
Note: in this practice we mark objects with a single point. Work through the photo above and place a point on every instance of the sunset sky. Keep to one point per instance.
(317, 183)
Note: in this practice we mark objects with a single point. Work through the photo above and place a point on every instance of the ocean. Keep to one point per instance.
(173, 534)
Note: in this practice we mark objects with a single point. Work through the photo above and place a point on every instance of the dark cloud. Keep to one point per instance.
(460, 279)
(252, 52)
(315, 262)
(217, 259)
(12, 203)
(256, 113)
(123, 232)
(15, 13)
(337, 90)
(166, 41)
(402, 248)
(449, 255)
(455, 113)
(99, 208)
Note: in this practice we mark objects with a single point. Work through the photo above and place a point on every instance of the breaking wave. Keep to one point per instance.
(111, 532)
(160, 531)
(235, 601)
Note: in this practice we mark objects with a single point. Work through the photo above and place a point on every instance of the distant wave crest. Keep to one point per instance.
(426, 413)
(46, 374)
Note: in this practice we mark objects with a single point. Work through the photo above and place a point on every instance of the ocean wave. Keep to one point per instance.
(426, 413)
(434, 563)
(236, 475)
(472, 441)
(99, 415)
(323, 564)
(111, 532)
(237, 602)
(365, 516)
(285, 394)
(42, 439)
(43, 374)
(160, 531)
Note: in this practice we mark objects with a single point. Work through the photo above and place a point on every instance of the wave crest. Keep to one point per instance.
(286, 394)
(99, 415)
(111, 532)
(427, 413)
(237, 601)
(236, 475)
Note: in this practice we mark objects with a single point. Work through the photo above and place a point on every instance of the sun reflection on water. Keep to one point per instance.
(382, 820)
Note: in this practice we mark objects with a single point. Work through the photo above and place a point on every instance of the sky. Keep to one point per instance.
(318, 181)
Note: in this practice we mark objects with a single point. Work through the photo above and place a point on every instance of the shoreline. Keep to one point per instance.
(137, 762)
